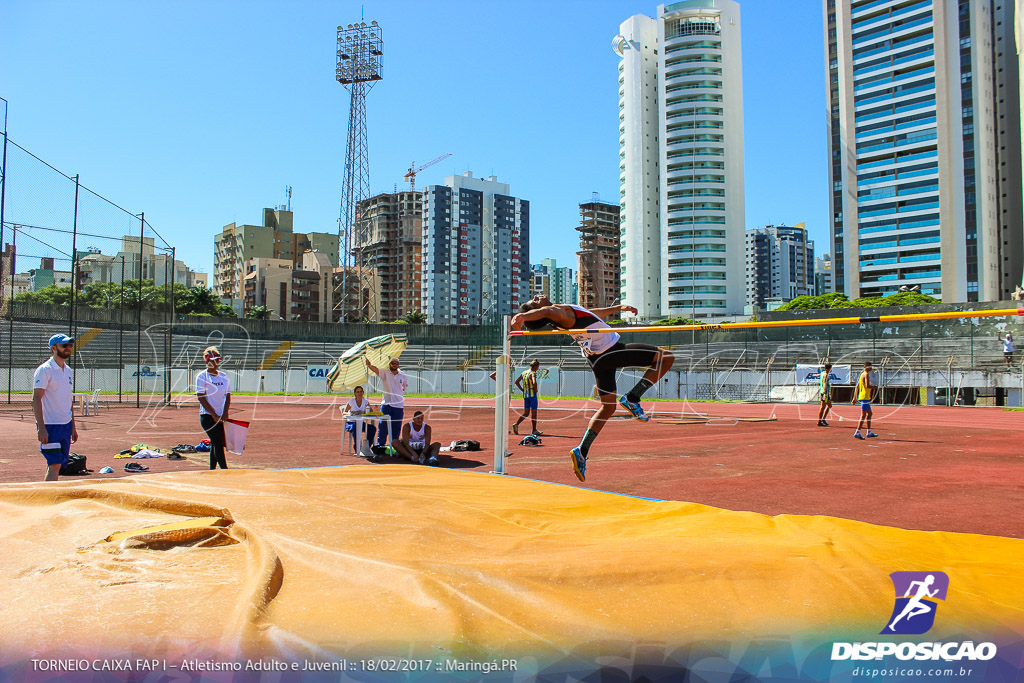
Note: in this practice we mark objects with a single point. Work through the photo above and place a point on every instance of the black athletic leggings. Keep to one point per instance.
(215, 430)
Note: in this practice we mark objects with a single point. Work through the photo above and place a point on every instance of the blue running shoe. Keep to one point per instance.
(872, 435)
(579, 463)
(858, 435)
(634, 409)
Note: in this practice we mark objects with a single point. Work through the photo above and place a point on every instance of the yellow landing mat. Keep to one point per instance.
(307, 563)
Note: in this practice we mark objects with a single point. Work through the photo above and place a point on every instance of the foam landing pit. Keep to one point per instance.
(337, 561)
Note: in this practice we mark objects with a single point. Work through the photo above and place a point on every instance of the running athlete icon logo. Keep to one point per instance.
(917, 594)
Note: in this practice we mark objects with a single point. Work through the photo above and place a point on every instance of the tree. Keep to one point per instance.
(415, 318)
(53, 295)
(675, 321)
(840, 300)
(259, 313)
(808, 303)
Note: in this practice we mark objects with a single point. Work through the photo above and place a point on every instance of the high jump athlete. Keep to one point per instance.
(606, 355)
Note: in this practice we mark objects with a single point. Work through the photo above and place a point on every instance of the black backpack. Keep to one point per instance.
(466, 445)
(75, 466)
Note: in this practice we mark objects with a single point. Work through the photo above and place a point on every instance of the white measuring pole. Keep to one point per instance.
(502, 370)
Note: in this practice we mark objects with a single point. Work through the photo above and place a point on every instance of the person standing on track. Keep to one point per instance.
(52, 402)
(393, 383)
(529, 385)
(825, 394)
(213, 389)
(864, 393)
(606, 355)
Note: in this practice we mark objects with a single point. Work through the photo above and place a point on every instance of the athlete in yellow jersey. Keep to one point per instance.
(864, 393)
(527, 383)
(825, 394)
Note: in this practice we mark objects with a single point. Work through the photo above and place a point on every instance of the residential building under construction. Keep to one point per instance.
(389, 240)
(598, 258)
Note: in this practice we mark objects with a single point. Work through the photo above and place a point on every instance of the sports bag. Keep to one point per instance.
(75, 466)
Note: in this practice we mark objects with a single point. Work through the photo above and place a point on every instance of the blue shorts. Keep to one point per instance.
(530, 403)
(865, 406)
(61, 435)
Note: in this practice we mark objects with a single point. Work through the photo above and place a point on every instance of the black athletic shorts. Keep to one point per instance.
(619, 356)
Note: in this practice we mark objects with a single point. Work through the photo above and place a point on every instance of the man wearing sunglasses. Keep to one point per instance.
(52, 398)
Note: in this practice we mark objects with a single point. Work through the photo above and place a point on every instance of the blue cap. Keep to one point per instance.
(60, 339)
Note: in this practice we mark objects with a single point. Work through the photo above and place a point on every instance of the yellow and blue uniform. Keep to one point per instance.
(864, 391)
(530, 395)
(825, 392)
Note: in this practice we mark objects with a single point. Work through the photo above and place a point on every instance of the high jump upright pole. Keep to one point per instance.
(501, 373)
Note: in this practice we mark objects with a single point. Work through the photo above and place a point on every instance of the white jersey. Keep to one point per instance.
(592, 344)
(57, 383)
(417, 439)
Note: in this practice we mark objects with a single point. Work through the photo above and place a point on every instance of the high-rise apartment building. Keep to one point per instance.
(540, 280)
(923, 116)
(823, 275)
(235, 245)
(561, 287)
(389, 239)
(780, 264)
(681, 160)
(475, 250)
(597, 261)
(553, 282)
(308, 291)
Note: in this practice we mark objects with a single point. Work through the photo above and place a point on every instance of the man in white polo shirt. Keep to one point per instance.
(393, 383)
(52, 398)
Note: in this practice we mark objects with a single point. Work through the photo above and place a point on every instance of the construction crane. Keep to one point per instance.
(414, 169)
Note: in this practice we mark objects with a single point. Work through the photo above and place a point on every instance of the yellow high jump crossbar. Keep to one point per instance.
(852, 320)
(503, 362)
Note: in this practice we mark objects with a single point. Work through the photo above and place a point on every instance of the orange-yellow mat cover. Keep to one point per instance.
(310, 563)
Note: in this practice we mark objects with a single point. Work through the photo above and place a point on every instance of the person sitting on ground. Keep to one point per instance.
(358, 406)
(415, 444)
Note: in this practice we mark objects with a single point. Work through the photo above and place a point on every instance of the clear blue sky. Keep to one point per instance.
(200, 113)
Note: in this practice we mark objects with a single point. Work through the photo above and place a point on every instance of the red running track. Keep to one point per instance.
(933, 468)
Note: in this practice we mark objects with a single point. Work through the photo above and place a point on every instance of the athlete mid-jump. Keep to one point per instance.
(606, 355)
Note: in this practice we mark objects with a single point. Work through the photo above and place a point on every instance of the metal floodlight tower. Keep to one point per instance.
(360, 65)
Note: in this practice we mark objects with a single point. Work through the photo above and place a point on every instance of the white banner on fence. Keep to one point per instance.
(146, 372)
(318, 371)
(811, 374)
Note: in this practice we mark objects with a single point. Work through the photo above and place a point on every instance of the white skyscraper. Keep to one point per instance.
(925, 147)
(681, 160)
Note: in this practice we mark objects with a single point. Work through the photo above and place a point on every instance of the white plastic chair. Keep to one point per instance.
(91, 402)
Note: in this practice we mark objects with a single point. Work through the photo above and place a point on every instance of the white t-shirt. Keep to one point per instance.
(217, 388)
(56, 383)
(357, 409)
(393, 386)
(1007, 346)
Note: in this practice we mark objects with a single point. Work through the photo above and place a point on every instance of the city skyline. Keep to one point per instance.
(215, 134)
